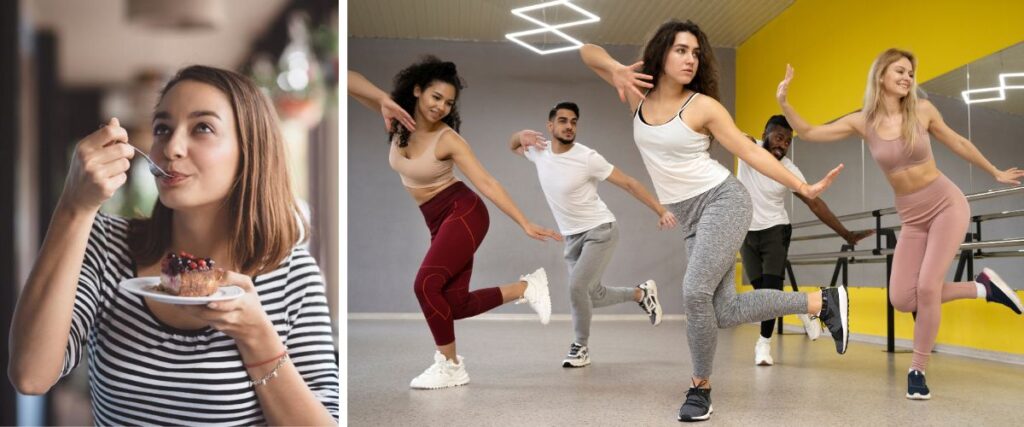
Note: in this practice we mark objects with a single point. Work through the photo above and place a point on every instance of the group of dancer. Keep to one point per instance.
(672, 94)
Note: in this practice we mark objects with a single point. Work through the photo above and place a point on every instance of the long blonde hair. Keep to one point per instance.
(908, 104)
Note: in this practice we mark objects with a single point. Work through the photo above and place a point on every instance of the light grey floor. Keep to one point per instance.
(640, 374)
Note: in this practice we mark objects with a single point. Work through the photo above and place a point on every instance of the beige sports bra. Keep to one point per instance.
(423, 171)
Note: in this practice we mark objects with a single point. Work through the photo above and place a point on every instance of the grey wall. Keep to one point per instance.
(509, 89)
(996, 134)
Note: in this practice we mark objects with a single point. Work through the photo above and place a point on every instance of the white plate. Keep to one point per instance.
(145, 286)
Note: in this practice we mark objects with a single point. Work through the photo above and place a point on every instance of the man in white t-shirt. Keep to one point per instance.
(569, 173)
(765, 248)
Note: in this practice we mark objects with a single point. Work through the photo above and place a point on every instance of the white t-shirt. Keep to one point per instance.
(767, 195)
(569, 181)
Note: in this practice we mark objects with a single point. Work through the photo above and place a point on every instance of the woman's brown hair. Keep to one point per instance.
(266, 222)
(705, 81)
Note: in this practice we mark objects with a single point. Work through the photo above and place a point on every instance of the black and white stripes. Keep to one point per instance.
(142, 371)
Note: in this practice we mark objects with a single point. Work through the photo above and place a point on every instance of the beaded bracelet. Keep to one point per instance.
(273, 373)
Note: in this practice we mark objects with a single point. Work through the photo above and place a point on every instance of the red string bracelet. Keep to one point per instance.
(253, 365)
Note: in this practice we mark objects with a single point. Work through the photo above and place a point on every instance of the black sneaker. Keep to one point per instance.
(649, 301)
(996, 290)
(578, 356)
(697, 406)
(835, 314)
(916, 387)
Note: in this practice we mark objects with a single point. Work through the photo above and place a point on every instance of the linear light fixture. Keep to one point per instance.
(589, 18)
(999, 92)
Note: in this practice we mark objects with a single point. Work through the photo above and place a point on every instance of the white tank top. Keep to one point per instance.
(677, 157)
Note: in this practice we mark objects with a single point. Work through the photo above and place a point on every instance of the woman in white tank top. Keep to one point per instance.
(673, 124)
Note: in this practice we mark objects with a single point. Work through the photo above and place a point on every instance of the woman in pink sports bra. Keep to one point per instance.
(934, 212)
(422, 119)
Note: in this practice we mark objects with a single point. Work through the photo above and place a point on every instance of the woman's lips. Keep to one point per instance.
(175, 179)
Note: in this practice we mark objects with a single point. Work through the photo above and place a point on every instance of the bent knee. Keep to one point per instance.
(696, 300)
(905, 304)
(427, 284)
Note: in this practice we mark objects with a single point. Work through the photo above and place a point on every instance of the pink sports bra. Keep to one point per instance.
(891, 154)
(423, 171)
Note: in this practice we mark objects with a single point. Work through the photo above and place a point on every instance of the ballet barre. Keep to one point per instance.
(885, 246)
(888, 211)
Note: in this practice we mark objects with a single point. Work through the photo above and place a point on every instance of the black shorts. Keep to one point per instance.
(765, 251)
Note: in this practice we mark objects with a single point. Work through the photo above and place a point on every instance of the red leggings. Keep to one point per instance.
(458, 222)
(935, 220)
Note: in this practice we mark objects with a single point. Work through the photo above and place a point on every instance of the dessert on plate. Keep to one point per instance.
(183, 274)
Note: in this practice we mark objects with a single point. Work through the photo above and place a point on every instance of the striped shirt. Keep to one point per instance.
(142, 371)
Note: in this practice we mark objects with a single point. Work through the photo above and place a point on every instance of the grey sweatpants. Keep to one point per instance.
(587, 254)
(714, 224)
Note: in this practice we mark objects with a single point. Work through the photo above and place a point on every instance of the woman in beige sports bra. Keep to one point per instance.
(934, 212)
(422, 119)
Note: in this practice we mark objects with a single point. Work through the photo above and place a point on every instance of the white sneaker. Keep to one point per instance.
(649, 301)
(763, 352)
(537, 295)
(812, 326)
(578, 357)
(442, 374)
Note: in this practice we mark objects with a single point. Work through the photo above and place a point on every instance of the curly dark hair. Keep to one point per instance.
(428, 70)
(657, 47)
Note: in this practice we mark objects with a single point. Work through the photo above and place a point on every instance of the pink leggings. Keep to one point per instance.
(935, 220)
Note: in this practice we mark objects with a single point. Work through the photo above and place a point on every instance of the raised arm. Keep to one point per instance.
(666, 219)
(963, 147)
(830, 132)
(716, 119)
(627, 81)
(821, 210)
(377, 100)
(453, 144)
(524, 139)
(42, 320)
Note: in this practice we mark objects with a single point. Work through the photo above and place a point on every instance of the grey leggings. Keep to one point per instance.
(714, 224)
(587, 254)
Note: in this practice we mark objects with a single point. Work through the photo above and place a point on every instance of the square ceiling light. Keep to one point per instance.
(544, 27)
(1000, 91)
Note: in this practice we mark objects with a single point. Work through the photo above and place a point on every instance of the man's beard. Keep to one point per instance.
(565, 141)
(778, 156)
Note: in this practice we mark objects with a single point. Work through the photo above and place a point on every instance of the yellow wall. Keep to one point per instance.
(831, 45)
(970, 323)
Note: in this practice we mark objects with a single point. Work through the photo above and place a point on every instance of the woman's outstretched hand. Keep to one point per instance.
(812, 191)
(783, 90)
(540, 233)
(99, 167)
(392, 111)
(631, 79)
(1009, 176)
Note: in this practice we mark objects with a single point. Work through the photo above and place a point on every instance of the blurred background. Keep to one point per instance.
(68, 65)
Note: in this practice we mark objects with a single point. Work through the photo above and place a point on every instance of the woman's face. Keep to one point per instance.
(681, 60)
(898, 78)
(435, 102)
(194, 140)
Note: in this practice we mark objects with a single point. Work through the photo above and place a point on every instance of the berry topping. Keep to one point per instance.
(183, 262)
